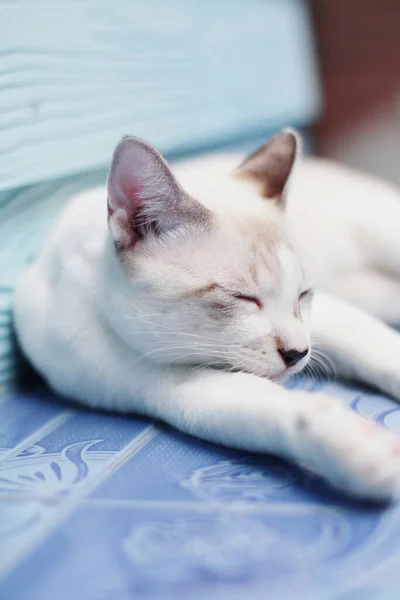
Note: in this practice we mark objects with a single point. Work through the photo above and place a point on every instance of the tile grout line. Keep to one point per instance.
(106, 503)
(202, 505)
(38, 434)
(74, 499)
(241, 506)
(171, 504)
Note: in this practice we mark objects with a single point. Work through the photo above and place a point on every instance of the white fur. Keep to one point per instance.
(118, 336)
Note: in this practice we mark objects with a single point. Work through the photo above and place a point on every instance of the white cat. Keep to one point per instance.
(194, 302)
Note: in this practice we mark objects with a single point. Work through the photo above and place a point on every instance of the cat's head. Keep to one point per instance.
(206, 271)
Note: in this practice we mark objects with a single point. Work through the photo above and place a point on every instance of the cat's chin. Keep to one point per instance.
(285, 374)
(279, 377)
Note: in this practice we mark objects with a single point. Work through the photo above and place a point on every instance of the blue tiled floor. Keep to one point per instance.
(96, 507)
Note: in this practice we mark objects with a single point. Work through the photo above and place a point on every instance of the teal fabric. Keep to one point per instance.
(26, 215)
(98, 506)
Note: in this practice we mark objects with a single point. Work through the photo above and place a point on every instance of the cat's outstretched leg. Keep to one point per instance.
(373, 223)
(359, 345)
(375, 291)
(376, 228)
(316, 431)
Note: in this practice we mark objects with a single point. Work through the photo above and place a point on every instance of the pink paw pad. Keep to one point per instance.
(395, 450)
(369, 428)
(324, 404)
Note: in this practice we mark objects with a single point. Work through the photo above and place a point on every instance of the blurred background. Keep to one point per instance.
(358, 57)
(190, 76)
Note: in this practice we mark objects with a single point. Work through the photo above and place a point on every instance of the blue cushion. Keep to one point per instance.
(99, 506)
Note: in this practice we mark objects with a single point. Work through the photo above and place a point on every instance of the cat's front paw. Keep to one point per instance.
(354, 454)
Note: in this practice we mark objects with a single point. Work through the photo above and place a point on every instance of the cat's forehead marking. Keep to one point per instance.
(265, 240)
(258, 228)
(252, 270)
(200, 291)
(274, 264)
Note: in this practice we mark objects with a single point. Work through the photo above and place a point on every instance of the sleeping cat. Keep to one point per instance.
(188, 296)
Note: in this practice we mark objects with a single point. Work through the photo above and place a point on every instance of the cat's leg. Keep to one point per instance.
(372, 290)
(251, 413)
(366, 270)
(375, 228)
(359, 345)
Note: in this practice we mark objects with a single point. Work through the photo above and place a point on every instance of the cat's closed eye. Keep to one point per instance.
(247, 298)
(306, 294)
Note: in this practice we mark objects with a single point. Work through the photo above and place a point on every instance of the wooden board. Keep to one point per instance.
(75, 77)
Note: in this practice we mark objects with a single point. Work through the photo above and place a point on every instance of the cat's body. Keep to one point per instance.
(191, 312)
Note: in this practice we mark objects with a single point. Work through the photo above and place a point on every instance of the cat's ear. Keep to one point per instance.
(143, 195)
(270, 167)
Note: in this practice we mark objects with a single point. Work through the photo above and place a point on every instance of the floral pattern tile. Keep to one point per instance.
(100, 506)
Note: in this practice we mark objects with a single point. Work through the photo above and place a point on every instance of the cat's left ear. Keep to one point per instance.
(144, 198)
(271, 166)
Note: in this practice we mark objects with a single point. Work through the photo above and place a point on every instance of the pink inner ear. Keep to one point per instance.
(124, 188)
(130, 191)
(126, 200)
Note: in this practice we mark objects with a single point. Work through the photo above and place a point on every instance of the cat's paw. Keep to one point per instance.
(352, 453)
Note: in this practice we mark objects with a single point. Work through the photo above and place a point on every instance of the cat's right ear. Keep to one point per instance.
(144, 197)
(269, 168)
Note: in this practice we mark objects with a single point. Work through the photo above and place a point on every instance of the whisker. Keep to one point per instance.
(325, 362)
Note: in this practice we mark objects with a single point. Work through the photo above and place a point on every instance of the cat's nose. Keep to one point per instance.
(291, 357)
